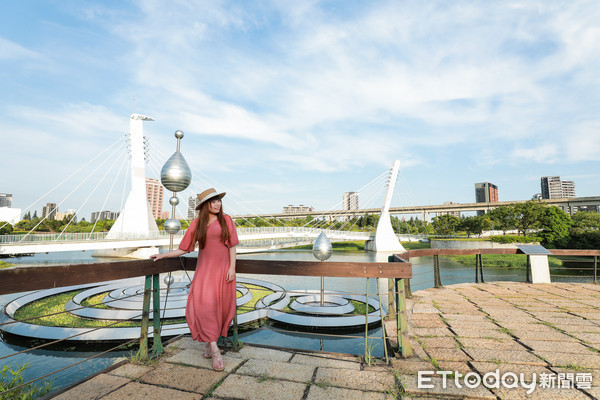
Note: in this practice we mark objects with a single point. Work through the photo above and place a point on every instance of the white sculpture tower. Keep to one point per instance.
(385, 238)
(136, 218)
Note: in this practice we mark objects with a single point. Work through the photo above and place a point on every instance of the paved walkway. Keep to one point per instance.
(488, 331)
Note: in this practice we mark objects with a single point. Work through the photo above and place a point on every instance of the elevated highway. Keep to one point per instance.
(568, 205)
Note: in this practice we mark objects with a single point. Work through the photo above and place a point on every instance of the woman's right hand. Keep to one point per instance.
(155, 257)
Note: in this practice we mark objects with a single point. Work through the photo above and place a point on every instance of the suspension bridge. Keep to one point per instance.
(136, 235)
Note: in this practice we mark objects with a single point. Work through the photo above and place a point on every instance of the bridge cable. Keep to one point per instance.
(70, 176)
(63, 200)
(90, 195)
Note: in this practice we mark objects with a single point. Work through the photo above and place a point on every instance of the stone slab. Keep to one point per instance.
(440, 389)
(411, 366)
(260, 353)
(360, 380)
(539, 394)
(185, 378)
(94, 388)
(195, 358)
(256, 388)
(448, 354)
(591, 361)
(556, 346)
(131, 371)
(503, 368)
(278, 370)
(514, 357)
(484, 343)
(329, 393)
(141, 391)
(324, 362)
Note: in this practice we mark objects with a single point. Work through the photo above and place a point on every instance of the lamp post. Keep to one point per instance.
(176, 177)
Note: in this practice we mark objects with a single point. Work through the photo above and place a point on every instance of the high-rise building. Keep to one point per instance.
(554, 188)
(5, 200)
(154, 193)
(193, 202)
(485, 192)
(351, 201)
(49, 210)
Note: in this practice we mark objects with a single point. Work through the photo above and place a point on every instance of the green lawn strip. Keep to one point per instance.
(503, 260)
(258, 292)
(4, 264)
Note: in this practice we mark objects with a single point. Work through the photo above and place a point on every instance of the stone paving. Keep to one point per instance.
(545, 335)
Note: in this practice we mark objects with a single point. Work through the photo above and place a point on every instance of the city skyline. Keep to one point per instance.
(297, 104)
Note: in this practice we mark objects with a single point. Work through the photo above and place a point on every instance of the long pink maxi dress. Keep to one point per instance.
(211, 300)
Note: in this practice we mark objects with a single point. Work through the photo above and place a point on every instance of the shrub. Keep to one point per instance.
(514, 239)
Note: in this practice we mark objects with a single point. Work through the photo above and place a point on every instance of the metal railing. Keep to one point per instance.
(582, 266)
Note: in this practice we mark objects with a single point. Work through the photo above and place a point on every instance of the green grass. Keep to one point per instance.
(4, 264)
(503, 260)
(258, 292)
(416, 245)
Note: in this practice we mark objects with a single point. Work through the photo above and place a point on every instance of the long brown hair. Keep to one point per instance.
(202, 225)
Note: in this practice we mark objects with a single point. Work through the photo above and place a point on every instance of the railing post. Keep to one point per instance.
(528, 278)
(437, 280)
(157, 347)
(481, 267)
(143, 350)
(405, 347)
(595, 269)
(476, 269)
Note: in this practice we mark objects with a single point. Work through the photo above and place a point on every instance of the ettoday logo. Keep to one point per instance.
(509, 380)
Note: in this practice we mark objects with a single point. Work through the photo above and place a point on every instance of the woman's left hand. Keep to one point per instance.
(230, 274)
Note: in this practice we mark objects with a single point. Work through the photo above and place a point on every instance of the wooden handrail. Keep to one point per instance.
(14, 280)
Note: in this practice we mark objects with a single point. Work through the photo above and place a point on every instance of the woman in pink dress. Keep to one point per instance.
(211, 300)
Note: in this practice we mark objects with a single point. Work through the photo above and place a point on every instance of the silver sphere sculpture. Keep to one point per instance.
(173, 201)
(322, 248)
(179, 134)
(169, 279)
(172, 226)
(176, 174)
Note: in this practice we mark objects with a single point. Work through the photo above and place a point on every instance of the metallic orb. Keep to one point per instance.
(172, 226)
(173, 201)
(322, 248)
(169, 279)
(179, 134)
(176, 174)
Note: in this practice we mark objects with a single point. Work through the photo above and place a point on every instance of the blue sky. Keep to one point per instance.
(297, 102)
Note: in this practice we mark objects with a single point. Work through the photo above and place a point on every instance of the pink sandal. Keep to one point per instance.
(217, 361)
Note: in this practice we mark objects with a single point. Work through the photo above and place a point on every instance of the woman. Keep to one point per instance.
(211, 300)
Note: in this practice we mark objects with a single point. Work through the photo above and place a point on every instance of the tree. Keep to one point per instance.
(474, 225)
(527, 215)
(445, 224)
(556, 227)
(27, 215)
(587, 220)
(5, 228)
(503, 218)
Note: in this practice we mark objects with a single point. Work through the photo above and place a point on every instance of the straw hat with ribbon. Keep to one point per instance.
(208, 194)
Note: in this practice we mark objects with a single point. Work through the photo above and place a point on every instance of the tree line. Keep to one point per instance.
(553, 226)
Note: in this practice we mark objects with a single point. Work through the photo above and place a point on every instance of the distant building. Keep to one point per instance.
(351, 201)
(49, 211)
(485, 192)
(5, 200)
(554, 188)
(193, 202)
(165, 215)
(455, 213)
(66, 215)
(301, 209)
(154, 193)
(102, 215)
